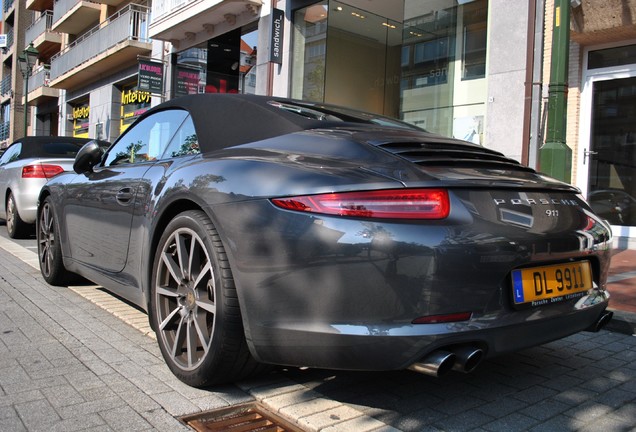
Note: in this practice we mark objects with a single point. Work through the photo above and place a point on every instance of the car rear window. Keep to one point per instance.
(61, 149)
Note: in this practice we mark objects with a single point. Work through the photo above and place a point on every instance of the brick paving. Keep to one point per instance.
(80, 359)
(622, 280)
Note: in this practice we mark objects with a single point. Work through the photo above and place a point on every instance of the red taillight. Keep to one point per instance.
(41, 171)
(435, 319)
(392, 204)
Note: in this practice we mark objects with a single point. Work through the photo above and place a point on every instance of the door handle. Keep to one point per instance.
(124, 195)
(587, 154)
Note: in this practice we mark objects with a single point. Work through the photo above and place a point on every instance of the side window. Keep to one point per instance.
(184, 142)
(147, 140)
(11, 154)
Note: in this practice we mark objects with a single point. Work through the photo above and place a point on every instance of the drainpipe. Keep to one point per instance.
(555, 155)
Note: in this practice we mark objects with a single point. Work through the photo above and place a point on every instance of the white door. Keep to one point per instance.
(607, 153)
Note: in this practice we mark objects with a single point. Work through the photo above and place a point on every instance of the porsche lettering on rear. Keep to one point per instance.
(540, 201)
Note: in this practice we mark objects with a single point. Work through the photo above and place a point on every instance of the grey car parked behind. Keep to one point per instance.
(26, 165)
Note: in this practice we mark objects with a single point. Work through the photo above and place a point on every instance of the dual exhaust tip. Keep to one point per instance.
(465, 358)
(440, 362)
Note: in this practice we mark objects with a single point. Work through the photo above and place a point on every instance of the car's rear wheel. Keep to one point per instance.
(49, 248)
(16, 227)
(194, 306)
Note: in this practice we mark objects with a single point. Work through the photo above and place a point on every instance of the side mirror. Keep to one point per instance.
(87, 157)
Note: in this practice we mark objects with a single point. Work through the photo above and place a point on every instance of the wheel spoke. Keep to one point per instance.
(207, 305)
(194, 260)
(182, 255)
(167, 292)
(179, 337)
(172, 266)
(191, 345)
(205, 341)
(169, 318)
(204, 271)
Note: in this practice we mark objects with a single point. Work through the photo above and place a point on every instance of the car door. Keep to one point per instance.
(100, 206)
(8, 168)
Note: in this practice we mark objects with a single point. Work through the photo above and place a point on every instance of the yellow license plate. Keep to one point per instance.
(550, 284)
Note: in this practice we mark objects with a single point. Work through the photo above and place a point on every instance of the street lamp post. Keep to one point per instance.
(27, 60)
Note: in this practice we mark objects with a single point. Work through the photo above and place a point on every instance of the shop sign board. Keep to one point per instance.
(150, 76)
(276, 40)
(187, 80)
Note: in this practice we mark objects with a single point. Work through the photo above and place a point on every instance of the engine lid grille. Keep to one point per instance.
(445, 153)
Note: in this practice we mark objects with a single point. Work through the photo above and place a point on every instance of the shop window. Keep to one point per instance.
(426, 66)
(309, 52)
(80, 115)
(134, 103)
(224, 64)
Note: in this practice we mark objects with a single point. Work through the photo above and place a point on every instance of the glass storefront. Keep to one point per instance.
(224, 64)
(80, 114)
(133, 104)
(421, 61)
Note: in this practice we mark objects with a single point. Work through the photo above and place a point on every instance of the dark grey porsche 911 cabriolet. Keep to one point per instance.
(259, 230)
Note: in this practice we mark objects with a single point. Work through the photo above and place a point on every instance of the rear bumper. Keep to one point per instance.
(381, 347)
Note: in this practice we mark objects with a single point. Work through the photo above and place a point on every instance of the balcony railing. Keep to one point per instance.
(40, 26)
(161, 7)
(5, 86)
(40, 78)
(9, 38)
(128, 24)
(8, 4)
(5, 128)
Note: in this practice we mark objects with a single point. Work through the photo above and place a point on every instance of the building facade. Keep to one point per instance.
(474, 69)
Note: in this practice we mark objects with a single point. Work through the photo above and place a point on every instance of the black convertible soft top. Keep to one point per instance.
(50, 146)
(225, 120)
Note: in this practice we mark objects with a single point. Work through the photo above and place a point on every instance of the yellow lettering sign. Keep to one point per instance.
(81, 112)
(134, 97)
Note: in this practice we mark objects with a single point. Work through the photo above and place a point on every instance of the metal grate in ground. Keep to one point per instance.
(250, 417)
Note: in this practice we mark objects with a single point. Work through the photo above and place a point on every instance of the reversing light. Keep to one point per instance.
(41, 171)
(392, 204)
(445, 318)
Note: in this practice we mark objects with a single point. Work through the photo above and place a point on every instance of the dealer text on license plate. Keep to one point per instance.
(549, 284)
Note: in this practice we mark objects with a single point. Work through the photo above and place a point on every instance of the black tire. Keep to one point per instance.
(49, 248)
(194, 307)
(16, 227)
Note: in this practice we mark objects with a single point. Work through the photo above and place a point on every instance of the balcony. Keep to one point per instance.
(9, 39)
(188, 22)
(7, 52)
(39, 5)
(7, 7)
(74, 16)
(40, 90)
(109, 2)
(595, 22)
(5, 129)
(5, 88)
(44, 40)
(110, 46)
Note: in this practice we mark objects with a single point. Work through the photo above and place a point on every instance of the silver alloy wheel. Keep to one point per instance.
(46, 240)
(11, 214)
(185, 298)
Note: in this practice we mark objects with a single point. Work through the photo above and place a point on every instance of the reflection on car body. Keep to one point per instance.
(254, 233)
(615, 205)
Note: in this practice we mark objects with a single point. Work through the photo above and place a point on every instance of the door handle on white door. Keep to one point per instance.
(586, 154)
